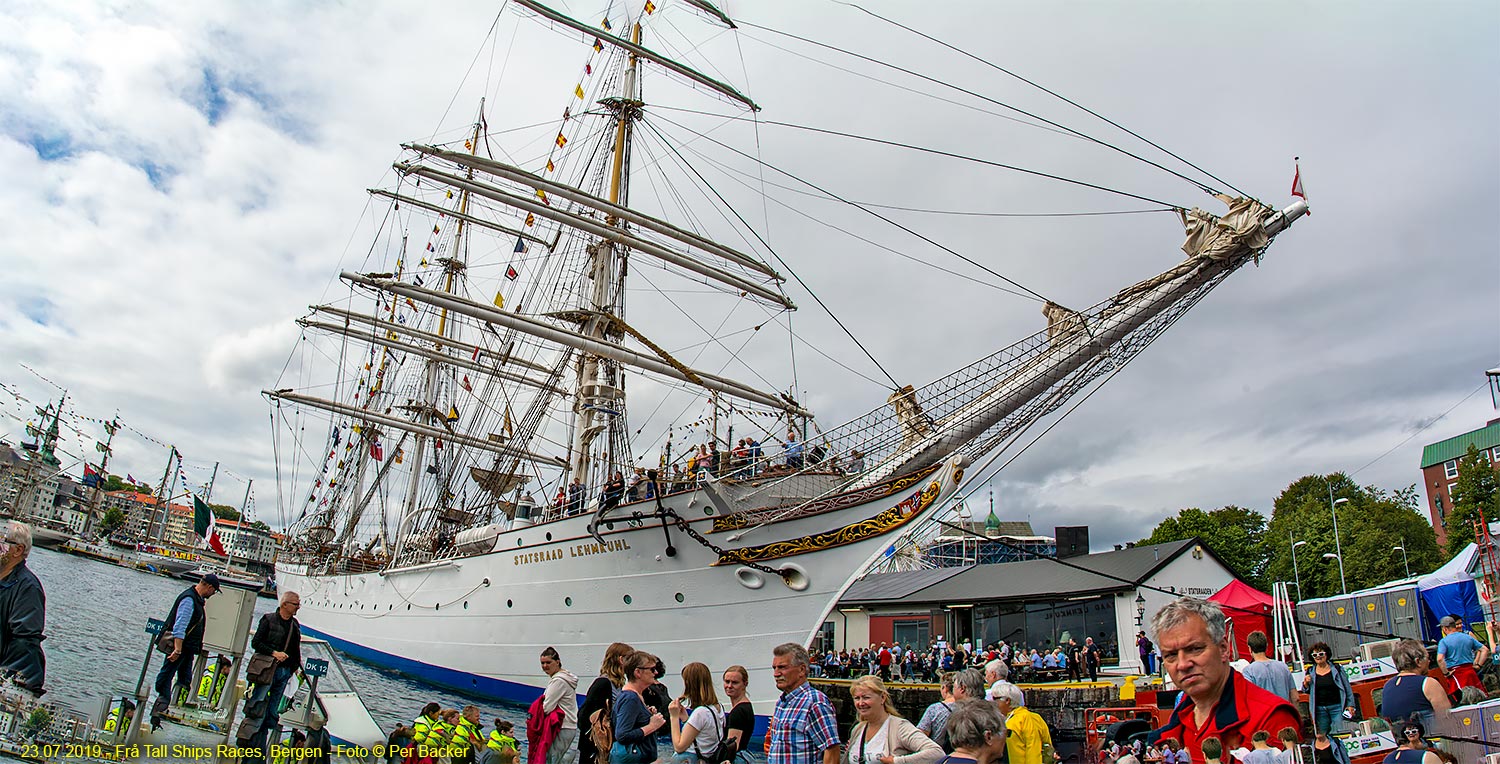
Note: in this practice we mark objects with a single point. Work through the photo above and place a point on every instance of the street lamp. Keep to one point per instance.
(1338, 546)
(1404, 563)
(1140, 609)
(1332, 556)
(1296, 577)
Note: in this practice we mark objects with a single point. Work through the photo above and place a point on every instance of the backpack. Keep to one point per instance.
(723, 750)
(602, 727)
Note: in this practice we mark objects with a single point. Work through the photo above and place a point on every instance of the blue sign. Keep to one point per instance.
(154, 626)
(315, 667)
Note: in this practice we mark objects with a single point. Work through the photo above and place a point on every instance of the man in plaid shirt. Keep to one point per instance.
(803, 727)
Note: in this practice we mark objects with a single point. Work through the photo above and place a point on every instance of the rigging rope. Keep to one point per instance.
(1066, 100)
(769, 248)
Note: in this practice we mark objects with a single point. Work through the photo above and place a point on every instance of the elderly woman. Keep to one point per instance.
(1412, 694)
(882, 736)
(1329, 696)
(976, 730)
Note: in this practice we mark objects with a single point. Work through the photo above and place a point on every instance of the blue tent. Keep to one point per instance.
(1451, 590)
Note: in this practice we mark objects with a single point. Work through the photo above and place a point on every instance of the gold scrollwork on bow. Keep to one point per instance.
(883, 523)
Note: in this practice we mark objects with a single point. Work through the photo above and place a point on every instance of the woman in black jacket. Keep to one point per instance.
(600, 697)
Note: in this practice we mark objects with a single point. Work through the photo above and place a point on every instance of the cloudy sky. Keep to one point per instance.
(184, 179)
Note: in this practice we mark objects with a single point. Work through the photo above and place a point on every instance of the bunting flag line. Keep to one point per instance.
(605, 23)
(400, 455)
(510, 270)
(452, 414)
(500, 301)
(521, 248)
(562, 140)
(550, 166)
(530, 219)
(464, 383)
(376, 452)
(598, 46)
(588, 68)
(578, 91)
(650, 7)
(475, 356)
(435, 229)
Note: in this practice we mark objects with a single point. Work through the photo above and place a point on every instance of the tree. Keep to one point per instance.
(225, 512)
(114, 517)
(1374, 524)
(1234, 534)
(1475, 497)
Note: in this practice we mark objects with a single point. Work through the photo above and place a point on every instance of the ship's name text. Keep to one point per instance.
(576, 550)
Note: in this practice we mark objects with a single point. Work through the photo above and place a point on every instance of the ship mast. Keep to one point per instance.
(452, 266)
(601, 397)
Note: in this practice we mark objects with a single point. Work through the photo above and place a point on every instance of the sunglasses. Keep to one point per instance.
(1319, 654)
(1413, 733)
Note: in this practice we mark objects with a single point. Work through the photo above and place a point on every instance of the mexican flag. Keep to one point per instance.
(204, 526)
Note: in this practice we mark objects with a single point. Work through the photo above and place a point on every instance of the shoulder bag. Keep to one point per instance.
(262, 667)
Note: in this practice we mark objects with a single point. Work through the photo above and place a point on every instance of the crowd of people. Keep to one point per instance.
(628, 716)
(898, 662)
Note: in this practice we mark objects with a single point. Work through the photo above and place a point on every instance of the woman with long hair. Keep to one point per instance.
(635, 724)
(882, 736)
(697, 718)
(741, 717)
(599, 697)
(1329, 696)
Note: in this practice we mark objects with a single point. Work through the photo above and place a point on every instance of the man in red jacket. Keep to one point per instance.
(1217, 701)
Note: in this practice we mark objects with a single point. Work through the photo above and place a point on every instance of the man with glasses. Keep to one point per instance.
(804, 729)
(23, 613)
(280, 636)
(1217, 701)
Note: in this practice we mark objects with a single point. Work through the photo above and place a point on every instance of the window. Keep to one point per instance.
(1450, 469)
(913, 633)
(1452, 489)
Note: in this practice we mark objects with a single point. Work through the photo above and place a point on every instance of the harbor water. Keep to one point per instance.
(96, 640)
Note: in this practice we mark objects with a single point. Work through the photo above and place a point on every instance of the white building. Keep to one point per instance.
(1036, 603)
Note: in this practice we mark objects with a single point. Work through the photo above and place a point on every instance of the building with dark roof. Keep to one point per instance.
(1440, 470)
(1033, 603)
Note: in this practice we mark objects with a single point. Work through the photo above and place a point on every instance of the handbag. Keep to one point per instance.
(262, 667)
(165, 643)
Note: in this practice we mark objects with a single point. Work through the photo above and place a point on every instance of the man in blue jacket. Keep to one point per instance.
(23, 612)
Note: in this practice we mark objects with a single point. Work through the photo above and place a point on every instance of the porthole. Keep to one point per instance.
(680, 597)
(627, 599)
(466, 604)
(408, 606)
(708, 511)
(510, 603)
(568, 601)
(549, 535)
(437, 606)
(518, 541)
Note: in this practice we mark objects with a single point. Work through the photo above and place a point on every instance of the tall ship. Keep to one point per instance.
(459, 430)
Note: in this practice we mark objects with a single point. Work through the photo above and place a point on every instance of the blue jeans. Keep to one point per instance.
(270, 697)
(179, 670)
(1329, 719)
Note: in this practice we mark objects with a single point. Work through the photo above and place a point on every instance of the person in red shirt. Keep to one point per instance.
(1217, 701)
(885, 659)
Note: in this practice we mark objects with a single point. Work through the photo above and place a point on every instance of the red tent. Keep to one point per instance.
(1247, 608)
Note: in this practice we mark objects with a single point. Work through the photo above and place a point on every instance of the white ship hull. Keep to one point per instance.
(477, 624)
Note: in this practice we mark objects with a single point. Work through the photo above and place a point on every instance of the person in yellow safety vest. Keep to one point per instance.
(441, 733)
(114, 723)
(501, 748)
(212, 685)
(424, 723)
(466, 736)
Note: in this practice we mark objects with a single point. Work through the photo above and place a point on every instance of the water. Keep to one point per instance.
(96, 641)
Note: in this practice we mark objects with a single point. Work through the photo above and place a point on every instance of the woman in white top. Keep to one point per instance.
(882, 736)
(697, 718)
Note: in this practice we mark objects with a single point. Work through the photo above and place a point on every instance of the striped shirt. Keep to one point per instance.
(803, 726)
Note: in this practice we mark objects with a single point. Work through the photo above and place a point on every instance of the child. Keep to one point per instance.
(1261, 751)
(1213, 748)
(1289, 752)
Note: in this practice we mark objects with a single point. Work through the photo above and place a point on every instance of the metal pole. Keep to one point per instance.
(1404, 563)
(1337, 545)
(1297, 578)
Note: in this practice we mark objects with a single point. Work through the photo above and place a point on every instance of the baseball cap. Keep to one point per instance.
(1448, 622)
(213, 580)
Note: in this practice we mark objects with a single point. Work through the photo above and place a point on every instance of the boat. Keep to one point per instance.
(428, 411)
